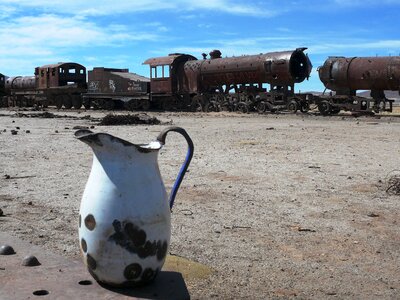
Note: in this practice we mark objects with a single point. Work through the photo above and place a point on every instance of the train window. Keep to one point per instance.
(153, 72)
(61, 70)
(166, 71)
(71, 71)
(81, 71)
(53, 72)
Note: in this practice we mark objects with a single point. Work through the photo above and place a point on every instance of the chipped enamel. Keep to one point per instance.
(125, 229)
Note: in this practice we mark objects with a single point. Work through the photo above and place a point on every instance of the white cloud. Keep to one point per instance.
(105, 7)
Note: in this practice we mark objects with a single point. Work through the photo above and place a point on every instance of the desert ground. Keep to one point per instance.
(274, 206)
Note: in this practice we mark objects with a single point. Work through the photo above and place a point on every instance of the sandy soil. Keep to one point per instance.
(276, 206)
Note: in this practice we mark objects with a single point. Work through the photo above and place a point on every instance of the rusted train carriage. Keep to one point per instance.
(57, 84)
(61, 84)
(182, 81)
(347, 75)
(110, 88)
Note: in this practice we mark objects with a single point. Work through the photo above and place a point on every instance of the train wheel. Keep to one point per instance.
(243, 107)
(87, 103)
(59, 101)
(304, 107)
(108, 105)
(67, 101)
(261, 107)
(132, 105)
(145, 105)
(335, 110)
(77, 102)
(196, 104)
(293, 106)
(324, 108)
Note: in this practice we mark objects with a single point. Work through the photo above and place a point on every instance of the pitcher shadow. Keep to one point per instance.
(167, 285)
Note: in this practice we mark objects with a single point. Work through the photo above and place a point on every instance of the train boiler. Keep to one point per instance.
(234, 82)
(347, 75)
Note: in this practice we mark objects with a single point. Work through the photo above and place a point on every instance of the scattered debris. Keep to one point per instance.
(80, 127)
(314, 167)
(128, 119)
(393, 183)
(14, 132)
(7, 176)
(299, 228)
(373, 215)
(1, 212)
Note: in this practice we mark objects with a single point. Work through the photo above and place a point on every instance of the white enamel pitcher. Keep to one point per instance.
(124, 219)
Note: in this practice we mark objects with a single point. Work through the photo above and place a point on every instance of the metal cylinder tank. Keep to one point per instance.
(277, 68)
(20, 83)
(361, 73)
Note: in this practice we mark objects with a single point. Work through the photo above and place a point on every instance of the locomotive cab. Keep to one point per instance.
(2, 84)
(61, 75)
(167, 74)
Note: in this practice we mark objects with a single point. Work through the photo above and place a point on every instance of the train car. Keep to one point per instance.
(2, 89)
(344, 76)
(182, 81)
(58, 84)
(61, 84)
(110, 88)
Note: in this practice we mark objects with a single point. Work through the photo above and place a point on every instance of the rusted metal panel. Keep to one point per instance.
(59, 278)
(348, 74)
(167, 60)
(61, 74)
(116, 81)
(277, 68)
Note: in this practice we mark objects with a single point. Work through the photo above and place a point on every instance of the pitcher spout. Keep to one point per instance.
(96, 140)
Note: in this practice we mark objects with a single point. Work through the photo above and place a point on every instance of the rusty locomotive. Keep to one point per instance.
(59, 85)
(346, 75)
(180, 80)
(263, 82)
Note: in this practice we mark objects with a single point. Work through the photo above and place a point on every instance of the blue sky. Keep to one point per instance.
(122, 34)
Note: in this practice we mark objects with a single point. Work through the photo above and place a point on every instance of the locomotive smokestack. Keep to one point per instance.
(204, 55)
(215, 54)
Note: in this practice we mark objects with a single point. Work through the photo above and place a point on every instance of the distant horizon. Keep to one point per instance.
(124, 34)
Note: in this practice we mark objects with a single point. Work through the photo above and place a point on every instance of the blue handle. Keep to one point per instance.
(161, 138)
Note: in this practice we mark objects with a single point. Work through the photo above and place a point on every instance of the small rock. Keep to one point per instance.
(5, 130)
(7, 176)
(373, 215)
(31, 261)
(17, 128)
(91, 127)
(56, 131)
(6, 250)
(28, 131)
(1, 212)
(30, 203)
(14, 132)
